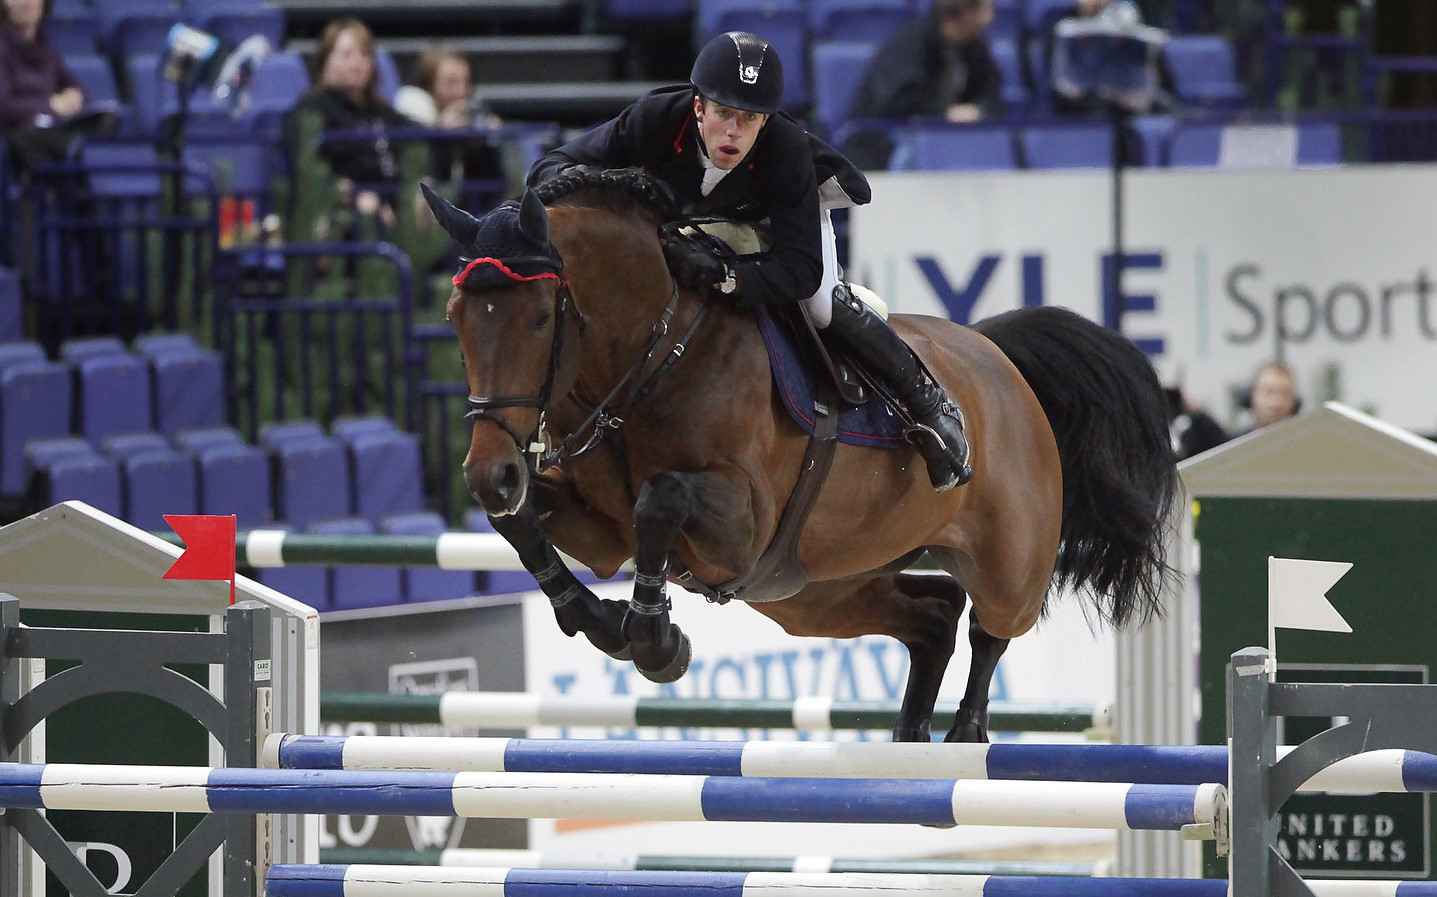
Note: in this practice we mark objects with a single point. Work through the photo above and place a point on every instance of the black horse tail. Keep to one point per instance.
(1105, 405)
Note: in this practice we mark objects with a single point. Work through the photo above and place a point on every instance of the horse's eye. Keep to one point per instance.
(542, 319)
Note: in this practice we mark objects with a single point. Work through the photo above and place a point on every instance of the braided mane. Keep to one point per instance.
(614, 190)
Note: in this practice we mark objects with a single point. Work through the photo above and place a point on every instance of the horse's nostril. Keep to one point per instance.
(510, 480)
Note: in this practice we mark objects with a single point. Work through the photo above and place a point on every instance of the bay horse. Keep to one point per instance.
(651, 413)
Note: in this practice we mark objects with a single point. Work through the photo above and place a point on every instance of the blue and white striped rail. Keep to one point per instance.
(450, 881)
(518, 795)
(1386, 770)
(521, 710)
(541, 859)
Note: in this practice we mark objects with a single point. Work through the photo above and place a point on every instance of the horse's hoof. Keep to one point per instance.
(967, 733)
(676, 668)
(918, 734)
(625, 653)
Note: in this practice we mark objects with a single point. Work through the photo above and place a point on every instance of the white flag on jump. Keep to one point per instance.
(1297, 594)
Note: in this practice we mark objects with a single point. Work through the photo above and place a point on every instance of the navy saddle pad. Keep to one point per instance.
(871, 424)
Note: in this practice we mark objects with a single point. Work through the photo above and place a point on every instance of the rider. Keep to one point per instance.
(723, 147)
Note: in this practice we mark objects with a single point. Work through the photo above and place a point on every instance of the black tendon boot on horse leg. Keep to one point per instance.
(575, 607)
(660, 650)
(939, 434)
(970, 724)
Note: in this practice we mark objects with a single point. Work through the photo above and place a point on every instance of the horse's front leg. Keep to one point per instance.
(970, 724)
(575, 607)
(660, 650)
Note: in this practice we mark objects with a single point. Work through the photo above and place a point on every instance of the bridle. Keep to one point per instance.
(603, 419)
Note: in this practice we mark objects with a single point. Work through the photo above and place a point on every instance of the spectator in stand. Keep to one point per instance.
(1273, 396)
(1070, 101)
(38, 95)
(938, 65)
(443, 92)
(1193, 430)
(443, 97)
(345, 95)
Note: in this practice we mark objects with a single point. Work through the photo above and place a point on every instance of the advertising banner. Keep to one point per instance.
(1328, 269)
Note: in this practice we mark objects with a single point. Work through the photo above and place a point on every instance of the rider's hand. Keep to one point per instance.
(694, 266)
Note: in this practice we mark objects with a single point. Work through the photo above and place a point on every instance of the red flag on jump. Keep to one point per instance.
(209, 548)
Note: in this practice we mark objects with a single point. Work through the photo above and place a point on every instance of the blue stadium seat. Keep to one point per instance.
(389, 80)
(233, 25)
(313, 481)
(197, 441)
(838, 70)
(235, 478)
(1319, 143)
(647, 10)
(1195, 145)
(96, 76)
(134, 28)
(1154, 138)
(348, 427)
(278, 82)
(41, 453)
(196, 12)
(358, 586)
(1204, 71)
(189, 390)
(427, 583)
(93, 479)
(962, 148)
(1007, 24)
(112, 396)
(152, 344)
(77, 348)
(126, 445)
(275, 433)
(850, 20)
(35, 403)
(1039, 16)
(1067, 145)
(12, 323)
(16, 352)
(1009, 59)
(73, 33)
(388, 474)
(156, 483)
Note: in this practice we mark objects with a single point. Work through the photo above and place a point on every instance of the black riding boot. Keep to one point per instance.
(939, 434)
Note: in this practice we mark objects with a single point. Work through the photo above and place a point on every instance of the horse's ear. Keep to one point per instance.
(458, 223)
(533, 220)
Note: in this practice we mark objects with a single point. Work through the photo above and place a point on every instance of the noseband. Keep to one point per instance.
(602, 419)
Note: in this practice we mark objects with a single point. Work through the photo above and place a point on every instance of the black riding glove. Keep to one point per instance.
(694, 266)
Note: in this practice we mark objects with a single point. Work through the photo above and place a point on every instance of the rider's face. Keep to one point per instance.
(728, 134)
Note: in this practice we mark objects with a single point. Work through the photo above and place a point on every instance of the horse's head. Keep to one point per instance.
(509, 306)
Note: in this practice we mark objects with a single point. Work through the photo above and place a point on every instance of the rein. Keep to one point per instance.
(602, 420)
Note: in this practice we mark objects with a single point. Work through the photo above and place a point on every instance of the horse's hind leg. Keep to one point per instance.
(929, 650)
(660, 650)
(575, 607)
(970, 724)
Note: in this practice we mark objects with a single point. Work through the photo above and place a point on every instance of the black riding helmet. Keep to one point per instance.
(740, 70)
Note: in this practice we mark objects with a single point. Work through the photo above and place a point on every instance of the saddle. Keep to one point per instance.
(834, 384)
(737, 239)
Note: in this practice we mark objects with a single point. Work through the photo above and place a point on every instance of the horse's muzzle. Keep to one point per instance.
(499, 485)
